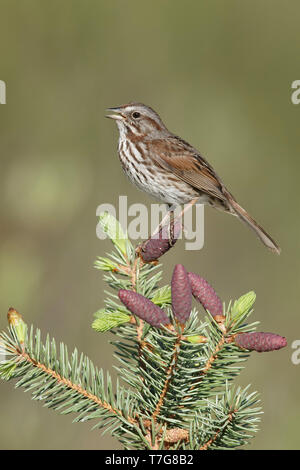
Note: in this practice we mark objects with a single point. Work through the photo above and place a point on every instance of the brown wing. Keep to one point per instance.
(177, 156)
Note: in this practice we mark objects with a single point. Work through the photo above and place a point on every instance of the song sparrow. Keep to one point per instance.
(169, 168)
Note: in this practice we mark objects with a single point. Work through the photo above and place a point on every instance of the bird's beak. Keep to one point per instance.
(117, 114)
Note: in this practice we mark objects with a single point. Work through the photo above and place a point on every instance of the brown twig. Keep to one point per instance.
(169, 375)
(213, 356)
(69, 384)
(133, 274)
(211, 359)
(218, 432)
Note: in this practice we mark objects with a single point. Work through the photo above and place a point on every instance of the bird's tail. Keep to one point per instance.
(262, 235)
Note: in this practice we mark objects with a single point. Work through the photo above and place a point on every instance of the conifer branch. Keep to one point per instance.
(169, 374)
(176, 365)
(217, 434)
(211, 359)
(21, 355)
(65, 385)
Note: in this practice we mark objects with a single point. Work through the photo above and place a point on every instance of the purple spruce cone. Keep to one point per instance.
(181, 294)
(143, 308)
(260, 342)
(159, 243)
(205, 294)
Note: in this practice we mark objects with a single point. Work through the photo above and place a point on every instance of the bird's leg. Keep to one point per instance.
(162, 223)
(170, 215)
(172, 219)
(171, 238)
(157, 230)
(187, 207)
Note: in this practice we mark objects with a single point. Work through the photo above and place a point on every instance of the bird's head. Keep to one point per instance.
(137, 120)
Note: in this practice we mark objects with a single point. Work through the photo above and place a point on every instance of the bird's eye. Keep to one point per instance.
(136, 115)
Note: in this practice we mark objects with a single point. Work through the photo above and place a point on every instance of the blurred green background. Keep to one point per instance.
(219, 73)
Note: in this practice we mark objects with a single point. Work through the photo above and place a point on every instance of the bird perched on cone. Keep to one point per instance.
(169, 168)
